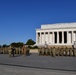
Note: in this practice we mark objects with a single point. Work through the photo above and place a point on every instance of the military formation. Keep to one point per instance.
(12, 51)
(52, 51)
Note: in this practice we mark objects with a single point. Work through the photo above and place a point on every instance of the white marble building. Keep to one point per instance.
(56, 34)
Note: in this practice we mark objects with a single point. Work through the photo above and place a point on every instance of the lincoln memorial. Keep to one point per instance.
(56, 34)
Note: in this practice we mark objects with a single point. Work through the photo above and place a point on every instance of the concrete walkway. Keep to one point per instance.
(45, 63)
(14, 70)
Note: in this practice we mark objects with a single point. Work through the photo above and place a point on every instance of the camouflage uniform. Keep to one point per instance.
(39, 50)
(10, 51)
(3, 51)
(57, 51)
(47, 51)
(24, 50)
(66, 51)
(19, 49)
(75, 52)
(70, 52)
(43, 50)
(62, 52)
(54, 52)
(50, 50)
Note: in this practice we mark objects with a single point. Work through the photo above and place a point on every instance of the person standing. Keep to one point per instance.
(24, 50)
(74, 48)
(10, 51)
(13, 51)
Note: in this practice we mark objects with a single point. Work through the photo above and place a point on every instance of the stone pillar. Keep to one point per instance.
(57, 37)
(67, 37)
(48, 37)
(72, 37)
(75, 35)
(62, 37)
(40, 38)
(37, 40)
(44, 38)
(53, 38)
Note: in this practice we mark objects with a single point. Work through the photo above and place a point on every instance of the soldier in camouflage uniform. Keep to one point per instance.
(50, 51)
(39, 50)
(74, 52)
(10, 51)
(47, 51)
(70, 51)
(57, 51)
(74, 48)
(13, 51)
(54, 52)
(66, 51)
(3, 50)
(62, 51)
(24, 50)
(19, 49)
(43, 49)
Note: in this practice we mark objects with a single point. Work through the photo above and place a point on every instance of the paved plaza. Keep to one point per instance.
(36, 65)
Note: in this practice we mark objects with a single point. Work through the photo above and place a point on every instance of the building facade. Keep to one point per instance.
(56, 34)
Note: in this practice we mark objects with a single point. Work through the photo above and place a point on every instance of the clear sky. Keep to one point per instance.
(20, 18)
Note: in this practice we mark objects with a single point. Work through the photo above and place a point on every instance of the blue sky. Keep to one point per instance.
(20, 18)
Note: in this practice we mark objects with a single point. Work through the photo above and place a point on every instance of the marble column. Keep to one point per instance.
(62, 37)
(75, 35)
(53, 38)
(37, 40)
(44, 37)
(57, 37)
(48, 37)
(67, 37)
(72, 37)
(40, 38)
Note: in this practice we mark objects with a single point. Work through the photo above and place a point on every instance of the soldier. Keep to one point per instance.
(27, 51)
(10, 51)
(6, 50)
(62, 51)
(46, 51)
(74, 49)
(39, 50)
(74, 46)
(70, 51)
(43, 50)
(3, 51)
(13, 51)
(75, 52)
(57, 51)
(50, 51)
(24, 50)
(66, 51)
(54, 52)
(19, 49)
(16, 50)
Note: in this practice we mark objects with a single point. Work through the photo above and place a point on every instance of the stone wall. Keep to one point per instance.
(33, 50)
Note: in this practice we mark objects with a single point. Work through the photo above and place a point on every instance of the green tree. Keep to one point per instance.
(0, 46)
(5, 45)
(18, 44)
(30, 42)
